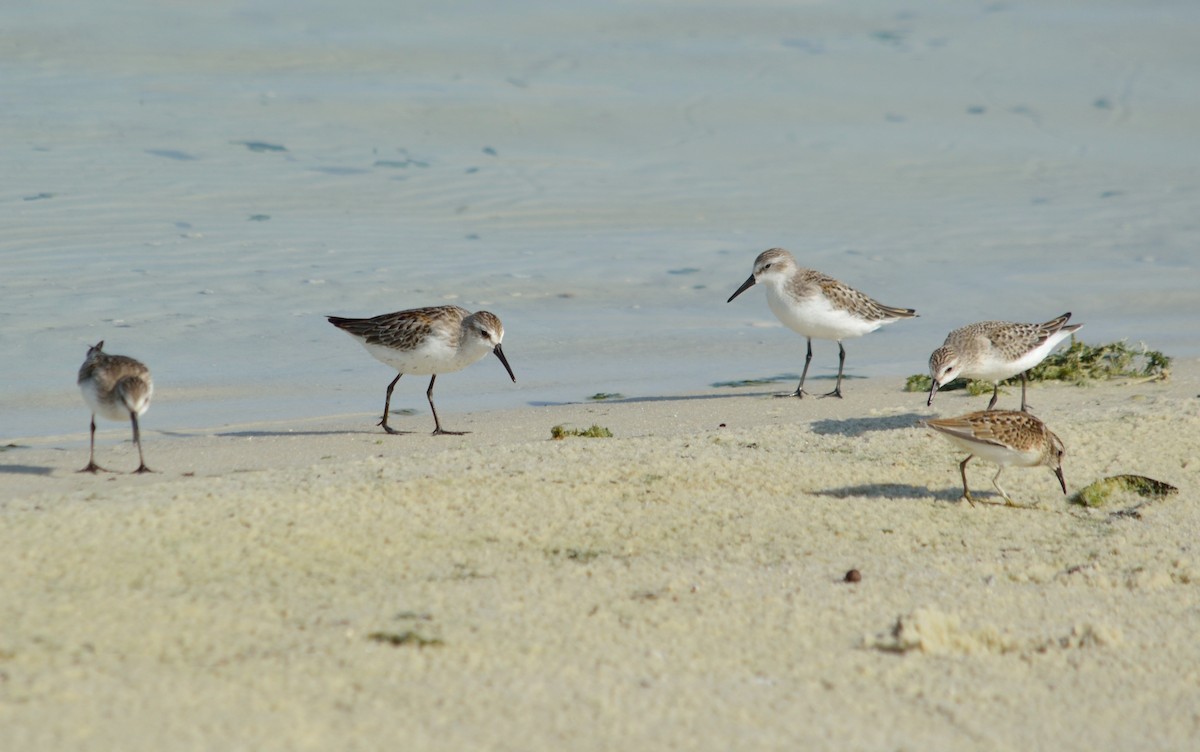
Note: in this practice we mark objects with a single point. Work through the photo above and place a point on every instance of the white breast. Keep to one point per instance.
(815, 317)
(109, 404)
(433, 355)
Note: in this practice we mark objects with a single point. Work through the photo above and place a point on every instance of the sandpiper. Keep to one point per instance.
(433, 340)
(1005, 437)
(817, 305)
(994, 351)
(116, 387)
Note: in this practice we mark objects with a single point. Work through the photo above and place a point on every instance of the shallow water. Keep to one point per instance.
(198, 184)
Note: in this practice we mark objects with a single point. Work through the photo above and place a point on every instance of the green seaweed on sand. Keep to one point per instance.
(601, 396)
(922, 382)
(1082, 362)
(1097, 494)
(560, 432)
(976, 388)
(397, 639)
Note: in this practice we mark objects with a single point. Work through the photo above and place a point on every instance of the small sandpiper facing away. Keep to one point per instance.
(1004, 437)
(994, 351)
(816, 305)
(433, 340)
(117, 388)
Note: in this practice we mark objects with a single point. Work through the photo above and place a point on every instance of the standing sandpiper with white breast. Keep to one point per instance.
(817, 305)
(427, 341)
(994, 351)
(116, 387)
(1004, 437)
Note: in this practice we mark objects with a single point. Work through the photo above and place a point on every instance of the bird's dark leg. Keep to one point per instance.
(92, 467)
(966, 491)
(387, 407)
(137, 439)
(995, 395)
(837, 390)
(799, 393)
(1024, 404)
(437, 424)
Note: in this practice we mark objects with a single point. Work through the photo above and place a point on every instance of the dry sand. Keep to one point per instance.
(324, 586)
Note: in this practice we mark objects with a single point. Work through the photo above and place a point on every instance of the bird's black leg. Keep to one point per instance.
(387, 406)
(799, 393)
(92, 467)
(137, 439)
(966, 491)
(837, 390)
(437, 424)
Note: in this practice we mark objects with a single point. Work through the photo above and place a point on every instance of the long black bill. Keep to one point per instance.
(745, 286)
(1061, 481)
(504, 360)
(932, 391)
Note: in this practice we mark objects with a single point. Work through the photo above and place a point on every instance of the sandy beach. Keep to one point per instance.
(201, 184)
(320, 585)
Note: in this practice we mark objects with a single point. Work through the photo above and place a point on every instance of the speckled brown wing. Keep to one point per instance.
(846, 298)
(402, 330)
(1002, 428)
(1013, 339)
(107, 370)
(964, 428)
(1025, 337)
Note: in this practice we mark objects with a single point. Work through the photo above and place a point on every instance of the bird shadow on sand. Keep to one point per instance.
(274, 434)
(779, 386)
(25, 470)
(653, 398)
(892, 491)
(860, 426)
(267, 434)
(897, 491)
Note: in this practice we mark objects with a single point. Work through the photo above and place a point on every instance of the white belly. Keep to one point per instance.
(815, 317)
(430, 357)
(997, 454)
(111, 405)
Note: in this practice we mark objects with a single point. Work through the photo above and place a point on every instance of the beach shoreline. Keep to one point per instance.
(322, 584)
(201, 184)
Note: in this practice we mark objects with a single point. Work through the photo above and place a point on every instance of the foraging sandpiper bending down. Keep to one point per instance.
(1005, 437)
(427, 341)
(816, 305)
(116, 387)
(994, 351)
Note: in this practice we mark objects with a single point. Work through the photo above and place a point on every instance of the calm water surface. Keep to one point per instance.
(199, 184)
